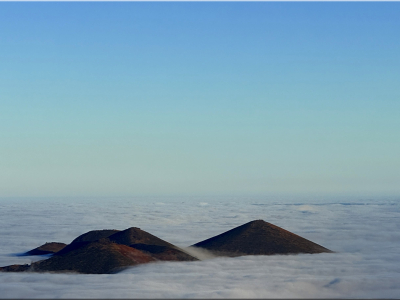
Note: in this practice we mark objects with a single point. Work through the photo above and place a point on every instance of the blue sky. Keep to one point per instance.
(120, 99)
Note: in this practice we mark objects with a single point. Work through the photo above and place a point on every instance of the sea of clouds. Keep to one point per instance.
(364, 232)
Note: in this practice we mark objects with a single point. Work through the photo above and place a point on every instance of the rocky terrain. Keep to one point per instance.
(47, 248)
(109, 251)
(259, 238)
(98, 257)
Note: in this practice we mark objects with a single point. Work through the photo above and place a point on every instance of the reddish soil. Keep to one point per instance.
(259, 238)
(99, 257)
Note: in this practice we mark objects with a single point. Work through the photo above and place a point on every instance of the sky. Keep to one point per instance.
(120, 99)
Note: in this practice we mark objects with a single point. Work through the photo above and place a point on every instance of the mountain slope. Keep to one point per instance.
(259, 238)
(99, 257)
(47, 248)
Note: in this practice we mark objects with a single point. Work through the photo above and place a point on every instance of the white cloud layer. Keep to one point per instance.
(364, 232)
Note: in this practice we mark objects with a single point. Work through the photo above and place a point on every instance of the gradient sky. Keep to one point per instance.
(120, 99)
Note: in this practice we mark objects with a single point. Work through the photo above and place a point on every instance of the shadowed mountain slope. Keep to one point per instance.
(95, 235)
(135, 235)
(106, 251)
(135, 238)
(259, 238)
(99, 257)
(86, 238)
(164, 253)
(15, 268)
(156, 247)
(47, 248)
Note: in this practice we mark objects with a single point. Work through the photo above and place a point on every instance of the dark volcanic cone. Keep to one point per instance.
(144, 241)
(47, 248)
(259, 238)
(156, 247)
(86, 238)
(94, 235)
(15, 268)
(135, 235)
(99, 257)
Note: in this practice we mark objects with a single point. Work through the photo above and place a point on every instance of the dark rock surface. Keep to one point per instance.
(99, 257)
(135, 235)
(135, 238)
(86, 238)
(106, 251)
(15, 268)
(148, 243)
(94, 235)
(47, 248)
(164, 253)
(259, 238)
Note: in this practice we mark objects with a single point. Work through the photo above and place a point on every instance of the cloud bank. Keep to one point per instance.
(364, 232)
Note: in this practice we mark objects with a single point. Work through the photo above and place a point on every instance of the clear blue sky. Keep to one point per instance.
(119, 99)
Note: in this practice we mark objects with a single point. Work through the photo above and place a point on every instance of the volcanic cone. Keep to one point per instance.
(99, 257)
(259, 238)
(135, 235)
(156, 247)
(47, 248)
(86, 238)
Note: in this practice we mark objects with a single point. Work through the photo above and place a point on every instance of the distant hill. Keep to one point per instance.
(165, 253)
(98, 257)
(148, 243)
(109, 251)
(135, 235)
(86, 238)
(47, 248)
(15, 268)
(94, 235)
(259, 238)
